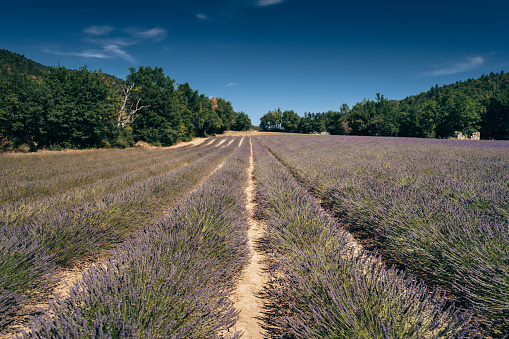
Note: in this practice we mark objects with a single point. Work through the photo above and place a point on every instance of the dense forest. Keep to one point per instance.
(475, 105)
(54, 107)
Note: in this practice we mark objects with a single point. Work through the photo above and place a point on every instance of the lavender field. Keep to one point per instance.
(68, 209)
(437, 208)
(364, 237)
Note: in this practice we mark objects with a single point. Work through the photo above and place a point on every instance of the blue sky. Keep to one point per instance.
(309, 56)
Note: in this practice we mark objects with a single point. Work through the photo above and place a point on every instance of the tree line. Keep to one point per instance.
(475, 105)
(55, 107)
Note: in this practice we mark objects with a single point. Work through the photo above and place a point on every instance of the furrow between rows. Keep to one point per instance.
(249, 290)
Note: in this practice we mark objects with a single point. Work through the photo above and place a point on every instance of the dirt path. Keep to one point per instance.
(220, 143)
(247, 298)
(194, 142)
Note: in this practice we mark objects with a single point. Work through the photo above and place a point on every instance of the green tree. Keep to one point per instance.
(70, 108)
(290, 121)
(458, 112)
(420, 120)
(336, 122)
(306, 124)
(55, 106)
(242, 122)
(271, 121)
(312, 122)
(84, 107)
(496, 119)
(14, 64)
(361, 118)
(265, 122)
(226, 113)
(378, 118)
(213, 124)
(167, 120)
(387, 117)
(203, 116)
(24, 110)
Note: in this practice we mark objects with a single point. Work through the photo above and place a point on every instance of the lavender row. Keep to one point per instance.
(439, 207)
(68, 235)
(14, 213)
(20, 167)
(326, 286)
(76, 231)
(173, 279)
(26, 269)
(23, 210)
(46, 177)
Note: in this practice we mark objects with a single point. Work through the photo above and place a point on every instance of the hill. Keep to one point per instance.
(477, 89)
(15, 64)
(470, 106)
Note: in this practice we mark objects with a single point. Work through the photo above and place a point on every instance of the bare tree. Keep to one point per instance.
(128, 111)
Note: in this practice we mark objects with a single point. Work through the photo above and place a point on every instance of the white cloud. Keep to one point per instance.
(156, 34)
(84, 54)
(113, 46)
(263, 3)
(117, 51)
(458, 67)
(231, 84)
(108, 52)
(202, 17)
(112, 41)
(93, 54)
(98, 30)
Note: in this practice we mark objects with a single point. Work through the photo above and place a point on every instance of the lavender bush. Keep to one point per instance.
(27, 271)
(47, 231)
(81, 168)
(77, 231)
(171, 279)
(439, 207)
(327, 287)
(106, 178)
(146, 293)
